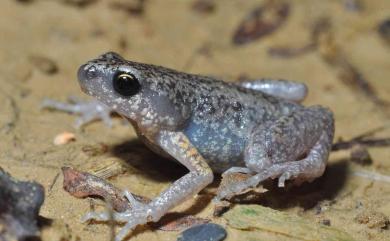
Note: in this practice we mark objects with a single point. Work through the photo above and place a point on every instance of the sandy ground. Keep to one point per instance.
(43, 42)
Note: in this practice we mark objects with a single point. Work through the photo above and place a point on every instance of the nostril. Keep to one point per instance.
(91, 72)
(86, 72)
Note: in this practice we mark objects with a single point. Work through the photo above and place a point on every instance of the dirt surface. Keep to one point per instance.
(44, 42)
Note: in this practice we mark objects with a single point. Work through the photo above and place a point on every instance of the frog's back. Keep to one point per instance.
(223, 115)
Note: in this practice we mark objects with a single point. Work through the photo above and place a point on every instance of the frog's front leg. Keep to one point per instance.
(200, 175)
(88, 110)
(295, 146)
(284, 89)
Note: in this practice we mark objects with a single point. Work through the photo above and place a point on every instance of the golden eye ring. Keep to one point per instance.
(126, 84)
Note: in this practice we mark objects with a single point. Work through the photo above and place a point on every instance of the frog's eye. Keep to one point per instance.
(126, 84)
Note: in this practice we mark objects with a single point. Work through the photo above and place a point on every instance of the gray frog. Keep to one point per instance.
(209, 126)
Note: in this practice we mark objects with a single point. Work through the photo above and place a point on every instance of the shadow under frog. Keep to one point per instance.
(307, 195)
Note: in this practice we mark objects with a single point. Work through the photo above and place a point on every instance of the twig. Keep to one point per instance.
(343, 145)
(7, 127)
(372, 176)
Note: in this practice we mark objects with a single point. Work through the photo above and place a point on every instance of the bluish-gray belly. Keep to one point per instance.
(221, 150)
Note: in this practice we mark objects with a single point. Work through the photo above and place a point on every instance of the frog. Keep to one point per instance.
(258, 127)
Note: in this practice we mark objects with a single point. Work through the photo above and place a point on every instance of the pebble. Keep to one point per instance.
(373, 219)
(360, 155)
(44, 64)
(203, 232)
(64, 138)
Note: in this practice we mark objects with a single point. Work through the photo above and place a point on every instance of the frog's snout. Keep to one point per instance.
(86, 74)
(81, 73)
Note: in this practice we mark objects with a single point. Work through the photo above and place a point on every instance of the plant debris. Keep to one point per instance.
(261, 22)
(372, 176)
(289, 52)
(82, 184)
(377, 142)
(373, 219)
(360, 155)
(79, 3)
(384, 30)
(95, 150)
(20, 203)
(10, 113)
(203, 6)
(44, 64)
(135, 7)
(322, 40)
(332, 54)
(259, 219)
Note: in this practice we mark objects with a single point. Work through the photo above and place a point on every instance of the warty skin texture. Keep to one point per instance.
(216, 115)
(211, 126)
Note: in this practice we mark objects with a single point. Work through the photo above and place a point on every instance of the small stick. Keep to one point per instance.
(372, 176)
(343, 145)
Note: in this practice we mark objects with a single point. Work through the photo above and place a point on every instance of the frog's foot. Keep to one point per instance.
(139, 214)
(239, 187)
(227, 190)
(88, 110)
(284, 171)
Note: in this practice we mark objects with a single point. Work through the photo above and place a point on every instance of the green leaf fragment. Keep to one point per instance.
(257, 218)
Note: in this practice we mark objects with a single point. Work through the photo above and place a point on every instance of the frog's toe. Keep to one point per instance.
(102, 216)
(57, 105)
(235, 189)
(133, 202)
(283, 178)
(129, 226)
(88, 110)
(89, 116)
(139, 214)
(93, 110)
(123, 217)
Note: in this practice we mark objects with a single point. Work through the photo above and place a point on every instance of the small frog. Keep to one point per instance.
(210, 126)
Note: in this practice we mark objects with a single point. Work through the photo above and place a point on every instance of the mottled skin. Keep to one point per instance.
(212, 126)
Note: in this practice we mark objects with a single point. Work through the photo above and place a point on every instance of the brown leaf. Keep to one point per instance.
(261, 21)
(82, 184)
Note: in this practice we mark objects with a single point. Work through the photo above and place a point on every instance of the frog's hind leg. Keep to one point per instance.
(295, 147)
(284, 89)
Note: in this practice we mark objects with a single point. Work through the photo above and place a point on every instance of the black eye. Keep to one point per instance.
(126, 84)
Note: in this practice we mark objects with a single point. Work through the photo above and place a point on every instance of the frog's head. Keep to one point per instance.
(132, 89)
